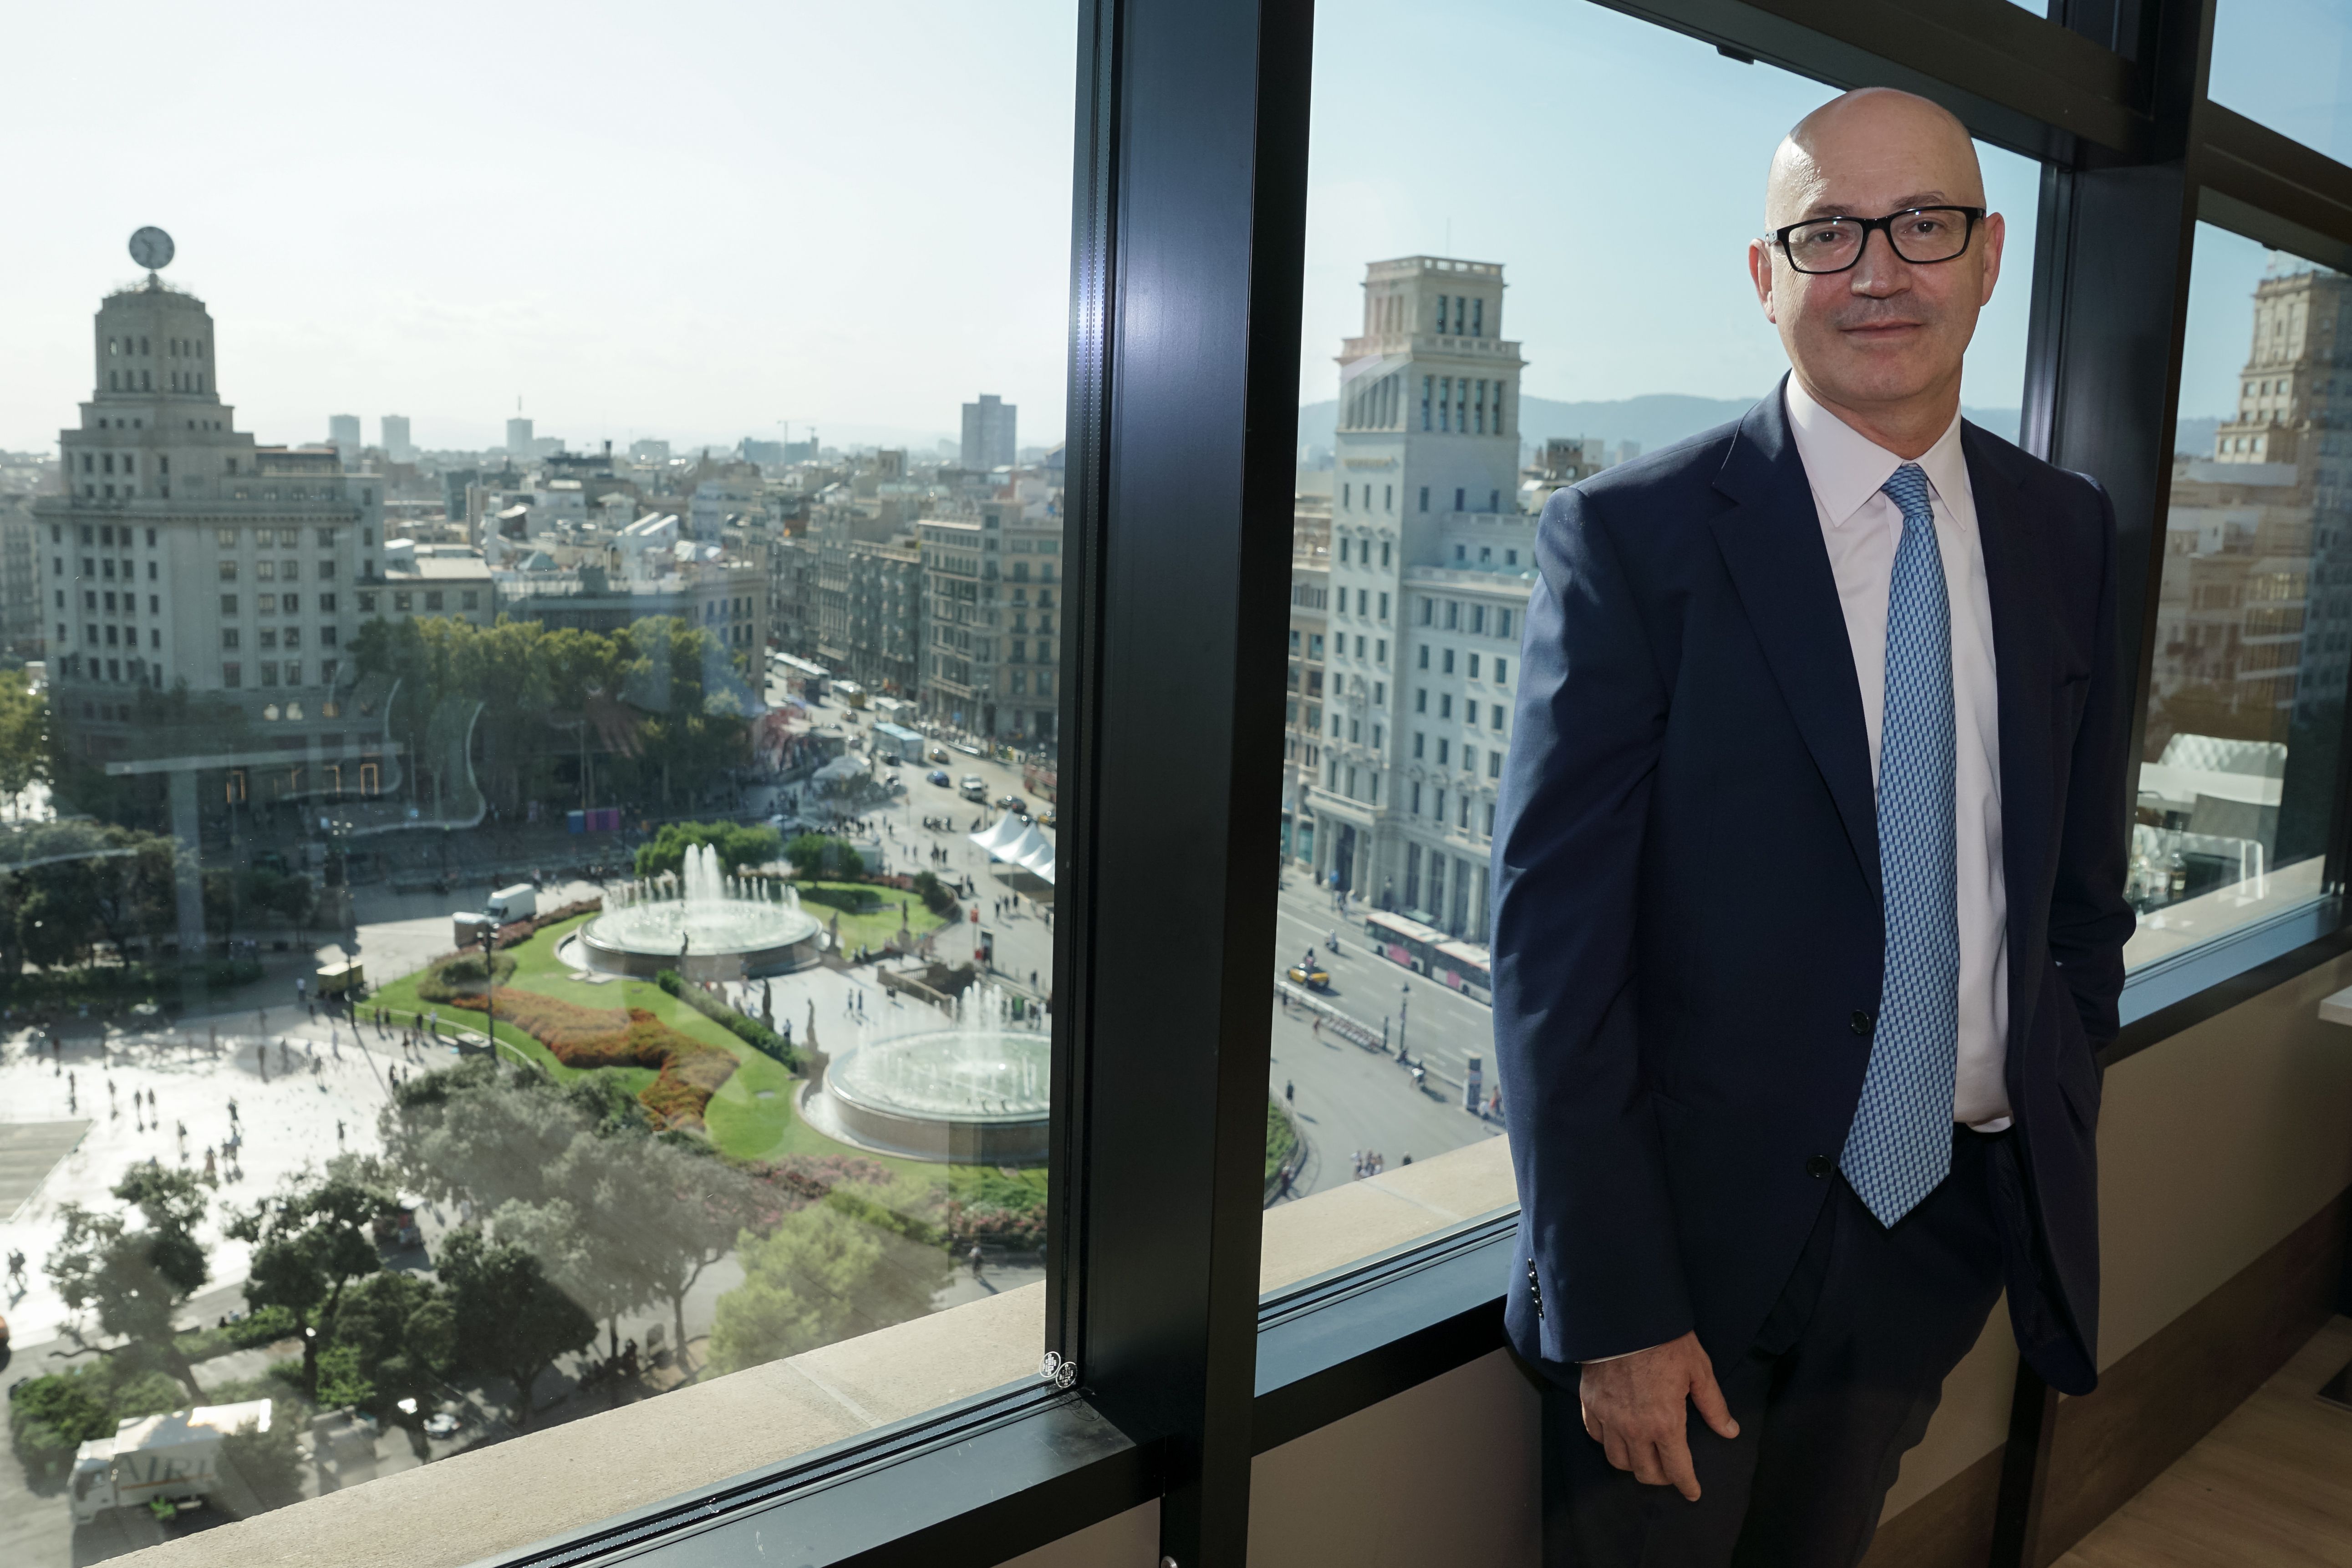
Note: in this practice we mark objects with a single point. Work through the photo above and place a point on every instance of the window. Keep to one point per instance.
(228, 637)
(2300, 92)
(232, 675)
(2253, 633)
(228, 571)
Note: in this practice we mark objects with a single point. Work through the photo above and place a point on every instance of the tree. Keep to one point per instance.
(578, 1246)
(689, 1208)
(134, 1278)
(736, 844)
(400, 1337)
(269, 1462)
(24, 736)
(507, 1318)
(818, 855)
(309, 1242)
(848, 1265)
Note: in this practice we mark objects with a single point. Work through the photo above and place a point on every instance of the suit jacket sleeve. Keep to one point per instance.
(2090, 920)
(1591, 719)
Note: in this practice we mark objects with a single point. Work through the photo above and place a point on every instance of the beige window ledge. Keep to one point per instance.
(460, 1510)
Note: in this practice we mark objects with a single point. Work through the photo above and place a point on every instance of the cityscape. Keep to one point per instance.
(492, 934)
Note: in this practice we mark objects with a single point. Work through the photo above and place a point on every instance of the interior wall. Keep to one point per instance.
(1442, 1473)
(2216, 1144)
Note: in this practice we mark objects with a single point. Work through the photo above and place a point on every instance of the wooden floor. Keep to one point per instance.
(2269, 1488)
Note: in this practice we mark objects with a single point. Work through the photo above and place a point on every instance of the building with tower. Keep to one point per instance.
(988, 433)
(2253, 635)
(199, 592)
(520, 441)
(1429, 566)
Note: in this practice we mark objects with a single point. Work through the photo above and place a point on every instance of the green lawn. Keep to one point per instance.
(876, 929)
(742, 1120)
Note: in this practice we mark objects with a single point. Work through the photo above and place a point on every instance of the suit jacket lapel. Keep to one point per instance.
(1771, 544)
(2015, 580)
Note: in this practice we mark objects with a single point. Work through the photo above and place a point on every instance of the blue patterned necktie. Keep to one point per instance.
(1900, 1144)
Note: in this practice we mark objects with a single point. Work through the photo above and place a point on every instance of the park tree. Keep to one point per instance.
(856, 1261)
(309, 1243)
(820, 855)
(399, 1337)
(507, 1317)
(736, 844)
(686, 1208)
(581, 1240)
(23, 737)
(131, 1277)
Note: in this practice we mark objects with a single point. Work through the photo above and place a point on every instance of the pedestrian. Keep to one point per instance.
(339, 1129)
(1289, 1092)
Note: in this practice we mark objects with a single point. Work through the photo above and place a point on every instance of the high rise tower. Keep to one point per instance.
(1431, 564)
(988, 433)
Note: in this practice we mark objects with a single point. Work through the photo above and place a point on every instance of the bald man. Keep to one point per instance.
(1809, 912)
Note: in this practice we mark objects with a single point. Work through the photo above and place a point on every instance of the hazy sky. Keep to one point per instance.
(689, 220)
(696, 221)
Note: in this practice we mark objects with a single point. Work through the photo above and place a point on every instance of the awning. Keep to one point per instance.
(1006, 831)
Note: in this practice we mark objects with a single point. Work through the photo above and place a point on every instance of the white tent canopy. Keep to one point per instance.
(1006, 831)
(1016, 838)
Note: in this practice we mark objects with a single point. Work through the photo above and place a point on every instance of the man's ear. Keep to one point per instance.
(1759, 272)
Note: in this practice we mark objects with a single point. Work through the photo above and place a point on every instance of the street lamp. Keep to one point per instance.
(1404, 1009)
(490, 983)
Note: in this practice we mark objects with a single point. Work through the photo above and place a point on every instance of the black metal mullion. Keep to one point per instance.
(1190, 285)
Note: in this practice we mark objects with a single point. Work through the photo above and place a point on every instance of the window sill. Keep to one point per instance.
(1336, 1340)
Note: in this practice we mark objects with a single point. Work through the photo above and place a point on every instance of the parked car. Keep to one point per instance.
(939, 753)
(939, 776)
(441, 1424)
(974, 787)
(1046, 819)
(1013, 804)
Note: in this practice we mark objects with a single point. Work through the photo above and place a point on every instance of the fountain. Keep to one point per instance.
(976, 1093)
(703, 923)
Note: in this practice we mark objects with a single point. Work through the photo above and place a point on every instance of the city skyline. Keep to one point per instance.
(632, 267)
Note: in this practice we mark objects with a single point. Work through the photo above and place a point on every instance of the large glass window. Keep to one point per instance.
(2253, 633)
(2288, 64)
(1588, 355)
(628, 960)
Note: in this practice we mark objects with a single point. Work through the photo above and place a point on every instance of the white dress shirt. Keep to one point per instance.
(1860, 527)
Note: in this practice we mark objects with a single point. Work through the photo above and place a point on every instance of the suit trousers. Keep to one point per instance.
(1839, 1383)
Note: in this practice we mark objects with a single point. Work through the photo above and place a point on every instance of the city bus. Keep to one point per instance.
(1464, 967)
(1401, 940)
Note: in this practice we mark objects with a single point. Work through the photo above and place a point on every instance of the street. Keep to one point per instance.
(1350, 1098)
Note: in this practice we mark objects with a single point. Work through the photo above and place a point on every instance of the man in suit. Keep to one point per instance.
(1808, 899)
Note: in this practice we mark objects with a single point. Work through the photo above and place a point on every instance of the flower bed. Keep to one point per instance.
(689, 1072)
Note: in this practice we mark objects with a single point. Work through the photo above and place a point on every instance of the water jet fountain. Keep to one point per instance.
(975, 1093)
(701, 922)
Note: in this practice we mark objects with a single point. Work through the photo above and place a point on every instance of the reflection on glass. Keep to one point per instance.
(496, 928)
(2246, 698)
(1424, 460)
(2287, 64)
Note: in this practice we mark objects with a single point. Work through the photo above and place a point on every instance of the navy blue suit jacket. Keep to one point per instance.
(1687, 914)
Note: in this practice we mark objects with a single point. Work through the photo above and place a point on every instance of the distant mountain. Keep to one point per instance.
(1658, 419)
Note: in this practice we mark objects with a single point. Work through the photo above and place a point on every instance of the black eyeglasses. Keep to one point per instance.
(1919, 236)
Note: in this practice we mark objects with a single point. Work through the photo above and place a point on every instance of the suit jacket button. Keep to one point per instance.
(1819, 1166)
(1862, 1023)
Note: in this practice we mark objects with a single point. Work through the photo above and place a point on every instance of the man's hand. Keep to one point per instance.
(1634, 1409)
